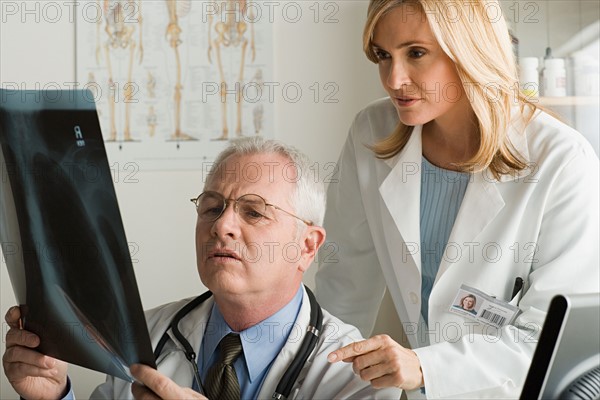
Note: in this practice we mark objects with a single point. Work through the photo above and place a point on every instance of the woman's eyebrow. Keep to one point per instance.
(404, 44)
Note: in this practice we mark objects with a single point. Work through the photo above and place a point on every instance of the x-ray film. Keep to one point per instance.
(62, 236)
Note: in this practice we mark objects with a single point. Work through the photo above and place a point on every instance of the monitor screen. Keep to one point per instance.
(569, 347)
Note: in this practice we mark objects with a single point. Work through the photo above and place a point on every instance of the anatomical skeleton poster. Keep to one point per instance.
(174, 80)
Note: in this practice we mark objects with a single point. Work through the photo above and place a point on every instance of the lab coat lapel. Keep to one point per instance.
(481, 204)
(401, 191)
(483, 200)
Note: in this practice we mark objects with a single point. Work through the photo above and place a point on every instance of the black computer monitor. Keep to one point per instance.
(568, 349)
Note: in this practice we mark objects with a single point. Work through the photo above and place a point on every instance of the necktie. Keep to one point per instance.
(221, 380)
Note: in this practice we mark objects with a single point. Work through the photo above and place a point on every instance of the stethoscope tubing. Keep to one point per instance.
(285, 385)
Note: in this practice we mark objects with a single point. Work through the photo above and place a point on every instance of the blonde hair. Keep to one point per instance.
(474, 34)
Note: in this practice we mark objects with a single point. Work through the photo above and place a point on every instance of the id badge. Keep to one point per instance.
(478, 306)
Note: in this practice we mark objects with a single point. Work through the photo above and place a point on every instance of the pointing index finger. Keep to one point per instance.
(348, 352)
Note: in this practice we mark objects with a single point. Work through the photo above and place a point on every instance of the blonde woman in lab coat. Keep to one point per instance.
(454, 184)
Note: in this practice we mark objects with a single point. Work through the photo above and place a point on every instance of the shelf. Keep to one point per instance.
(569, 101)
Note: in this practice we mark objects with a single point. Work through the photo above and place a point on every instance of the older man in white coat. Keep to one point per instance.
(257, 233)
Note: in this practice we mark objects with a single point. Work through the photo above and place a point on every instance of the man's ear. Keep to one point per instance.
(313, 239)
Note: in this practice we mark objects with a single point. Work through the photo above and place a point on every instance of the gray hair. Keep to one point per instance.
(308, 199)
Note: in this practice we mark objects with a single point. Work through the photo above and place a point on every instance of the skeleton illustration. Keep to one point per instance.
(177, 9)
(151, 85)
(152, 121)
(258, 114)
(120, 18)
(230, 32)
(258, 110)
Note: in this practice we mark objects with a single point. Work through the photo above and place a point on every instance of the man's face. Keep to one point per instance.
(236, 258)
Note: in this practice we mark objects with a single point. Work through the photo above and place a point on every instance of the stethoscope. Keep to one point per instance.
(284, 387)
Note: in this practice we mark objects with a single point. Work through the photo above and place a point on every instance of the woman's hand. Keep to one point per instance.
(383, 362)
(32, 374)
(152, 385)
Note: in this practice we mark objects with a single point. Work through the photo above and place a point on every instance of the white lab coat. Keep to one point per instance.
(318, 380)
(541, 225)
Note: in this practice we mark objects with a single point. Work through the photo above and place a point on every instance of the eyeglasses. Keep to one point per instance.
(251, 207)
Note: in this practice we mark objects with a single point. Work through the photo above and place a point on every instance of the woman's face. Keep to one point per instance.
(468, 303)
(419, 77)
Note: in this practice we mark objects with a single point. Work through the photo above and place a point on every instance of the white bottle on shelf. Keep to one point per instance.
(529, 76)
(554, 78)
(586, 75)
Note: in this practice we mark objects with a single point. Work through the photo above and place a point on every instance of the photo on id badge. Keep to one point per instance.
(465, 302)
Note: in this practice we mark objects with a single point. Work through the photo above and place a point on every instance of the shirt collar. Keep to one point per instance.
(261, 342)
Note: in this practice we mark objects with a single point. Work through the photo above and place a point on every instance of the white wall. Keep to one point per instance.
(156, 211)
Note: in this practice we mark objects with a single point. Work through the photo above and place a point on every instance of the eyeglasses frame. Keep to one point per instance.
(226, 203)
